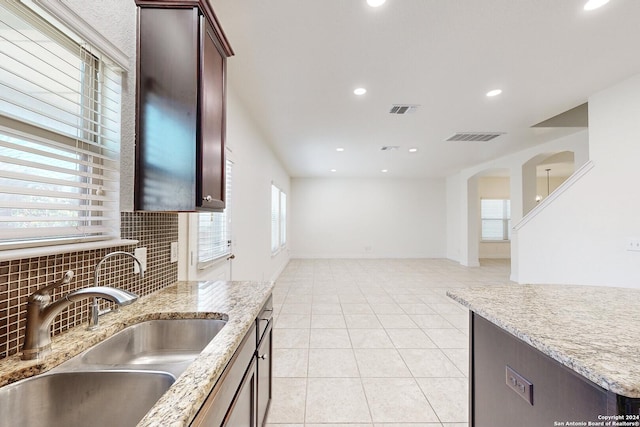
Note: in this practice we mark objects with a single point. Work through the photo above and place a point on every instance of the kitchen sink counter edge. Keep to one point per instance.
(592, 330)
(236, 302)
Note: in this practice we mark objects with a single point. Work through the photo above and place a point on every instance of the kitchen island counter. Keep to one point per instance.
(593, 331)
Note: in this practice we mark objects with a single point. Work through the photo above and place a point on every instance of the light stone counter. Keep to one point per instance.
(595, 331)
(236, 302)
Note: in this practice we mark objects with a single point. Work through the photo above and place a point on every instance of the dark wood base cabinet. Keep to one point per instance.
(242, 395)
(514, 384)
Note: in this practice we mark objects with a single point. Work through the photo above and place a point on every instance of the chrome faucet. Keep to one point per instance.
(41, 312)
(95, 308)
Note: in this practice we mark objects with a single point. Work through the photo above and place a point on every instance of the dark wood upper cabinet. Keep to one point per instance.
(181, 88)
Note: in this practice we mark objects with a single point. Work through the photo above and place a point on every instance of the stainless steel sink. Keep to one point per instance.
(159, 345)
(67, 399)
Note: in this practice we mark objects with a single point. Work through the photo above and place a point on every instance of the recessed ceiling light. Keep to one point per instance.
(360, 91)
(594, 4)
(375, 3)
(340, 149)
(384, 170)
(413, 150)
(494, 92)
(333, 170)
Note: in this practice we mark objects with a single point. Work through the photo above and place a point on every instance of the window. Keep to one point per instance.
(283, 219)
(214, 228)
(59, 135)
(496, 219)
(278, 219)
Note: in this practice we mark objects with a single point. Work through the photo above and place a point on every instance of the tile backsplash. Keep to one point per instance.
(20, 278)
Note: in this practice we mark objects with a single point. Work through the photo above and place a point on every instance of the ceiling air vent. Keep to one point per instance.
(403, 108)
(474, 136)
(389, 147)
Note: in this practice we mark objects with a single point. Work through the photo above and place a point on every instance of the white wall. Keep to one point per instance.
(581, 236)
(255, 168)
(454, 216)
(368, 218)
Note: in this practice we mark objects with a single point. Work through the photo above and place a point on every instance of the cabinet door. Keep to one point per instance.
(559, 394)
(264, 375)
(242, 412)
(237, 381)
(167, 109)
(211, 179)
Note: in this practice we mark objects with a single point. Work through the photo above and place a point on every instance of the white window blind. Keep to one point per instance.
(278, 219)
(59, 135)
(214, 228)
(496, 219)
(275, 218)
(283, 218)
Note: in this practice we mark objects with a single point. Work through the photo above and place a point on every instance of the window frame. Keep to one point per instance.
(67, 29)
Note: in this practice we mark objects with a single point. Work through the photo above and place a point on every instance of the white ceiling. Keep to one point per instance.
(298, 61)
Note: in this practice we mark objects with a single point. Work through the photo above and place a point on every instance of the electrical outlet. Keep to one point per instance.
(141, 254)
(174, 251)
(633, 244)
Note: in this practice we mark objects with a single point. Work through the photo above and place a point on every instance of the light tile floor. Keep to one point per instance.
(373, 343)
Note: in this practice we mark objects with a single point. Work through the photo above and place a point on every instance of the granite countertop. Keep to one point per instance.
(236, 302)
(595, 331)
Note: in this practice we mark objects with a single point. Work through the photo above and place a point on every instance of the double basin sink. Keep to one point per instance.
(115, 382)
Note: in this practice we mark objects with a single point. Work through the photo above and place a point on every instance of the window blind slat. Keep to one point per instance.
(34, 208)
(50, 168)
(106, 163)
(51, 194)
(41, 232)
(29, 219)
(46, 180)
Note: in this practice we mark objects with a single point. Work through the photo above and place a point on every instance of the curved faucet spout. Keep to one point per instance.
(118, 296)
(96, 271)
(96, 312)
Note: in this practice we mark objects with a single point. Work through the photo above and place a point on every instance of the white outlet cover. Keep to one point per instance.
(174, 251)
(141, 254)
(633, 244)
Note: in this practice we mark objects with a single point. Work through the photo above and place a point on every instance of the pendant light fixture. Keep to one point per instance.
(548, 170)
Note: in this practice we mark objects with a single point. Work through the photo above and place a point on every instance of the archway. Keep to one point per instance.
(488, 216)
